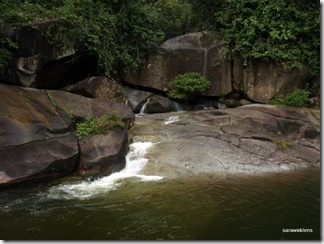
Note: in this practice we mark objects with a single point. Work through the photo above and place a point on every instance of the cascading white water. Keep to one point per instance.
(171, 119)
(135, 163)
(144, 106)
(178, 107)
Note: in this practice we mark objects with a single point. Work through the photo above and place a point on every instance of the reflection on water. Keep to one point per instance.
(197, 208)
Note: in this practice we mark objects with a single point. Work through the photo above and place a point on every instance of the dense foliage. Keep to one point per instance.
(186, 87)
(119, 32)
(281, 30)
(175, 17)
(99, 125)
(122, 32)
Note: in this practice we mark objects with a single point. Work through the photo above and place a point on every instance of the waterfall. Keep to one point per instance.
(177, 107)
(144, 106)
(135, 163)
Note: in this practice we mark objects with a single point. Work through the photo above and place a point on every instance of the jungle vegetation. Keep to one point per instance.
(121, 33)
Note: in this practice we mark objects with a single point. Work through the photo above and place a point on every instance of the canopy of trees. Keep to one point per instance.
(122, 32)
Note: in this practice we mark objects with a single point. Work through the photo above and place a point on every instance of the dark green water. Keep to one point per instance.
(199, 208)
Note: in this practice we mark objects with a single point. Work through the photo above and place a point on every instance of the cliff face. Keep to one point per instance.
(38, 140)
(203, 52)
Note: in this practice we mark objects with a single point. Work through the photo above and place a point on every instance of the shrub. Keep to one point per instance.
(283, 144)
(99, 125)
(86, 127)
(186, 86)
(276, 101)
(298, 98)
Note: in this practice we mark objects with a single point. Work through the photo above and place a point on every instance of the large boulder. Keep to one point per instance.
(136, 98)
(99, 154)
(38, 139)
(103, 154)
(101, 88)
(200, 52)
(44, 63)
(159, 104)
(263, 80)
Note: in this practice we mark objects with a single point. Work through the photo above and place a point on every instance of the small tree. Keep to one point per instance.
(186, 87)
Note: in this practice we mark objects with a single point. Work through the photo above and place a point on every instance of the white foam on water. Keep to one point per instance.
(135, 163)
(135, 160)
(171, 119)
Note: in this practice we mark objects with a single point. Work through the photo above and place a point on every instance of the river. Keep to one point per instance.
(132, 205)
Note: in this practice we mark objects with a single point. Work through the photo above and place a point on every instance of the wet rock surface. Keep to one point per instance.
(251, 139)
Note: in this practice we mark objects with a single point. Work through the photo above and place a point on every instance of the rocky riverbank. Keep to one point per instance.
(251, 139)
(38, 138)
(44, 91)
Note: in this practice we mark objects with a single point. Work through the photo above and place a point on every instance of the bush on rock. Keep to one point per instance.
(186, 87)
(298, 98)
(99, 125)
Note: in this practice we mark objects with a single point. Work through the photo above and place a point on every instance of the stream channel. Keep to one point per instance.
(130, 205)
